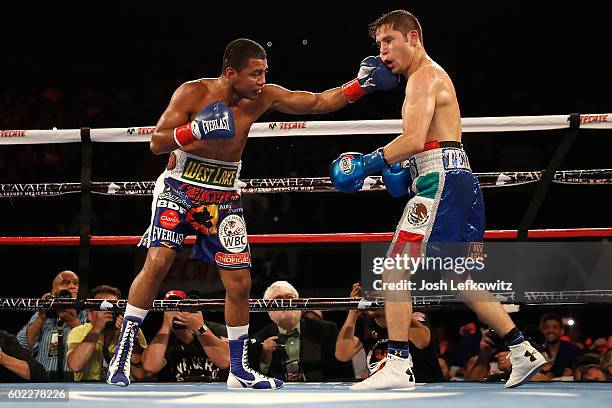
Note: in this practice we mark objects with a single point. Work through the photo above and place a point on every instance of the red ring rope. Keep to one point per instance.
(308, 238)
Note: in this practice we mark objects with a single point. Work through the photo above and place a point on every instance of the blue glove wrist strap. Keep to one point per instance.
(374, 162)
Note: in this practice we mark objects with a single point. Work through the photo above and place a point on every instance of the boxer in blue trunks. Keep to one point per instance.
(205, 129)
(426, 161)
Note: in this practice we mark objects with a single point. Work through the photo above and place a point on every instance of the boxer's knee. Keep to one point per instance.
(158, 262)
(237, 283)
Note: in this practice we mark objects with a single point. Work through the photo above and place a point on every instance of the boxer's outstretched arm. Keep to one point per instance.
(176, 114)
(417, 113)
(301, 102)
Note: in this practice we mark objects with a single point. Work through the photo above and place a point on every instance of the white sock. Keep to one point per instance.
(135, 311)
(234, 332)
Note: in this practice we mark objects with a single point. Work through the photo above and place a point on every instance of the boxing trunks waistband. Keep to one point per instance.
(438, 156)
(199, 171)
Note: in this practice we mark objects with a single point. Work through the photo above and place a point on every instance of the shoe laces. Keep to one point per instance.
(123, 353)
(245, 362)
(374, 367)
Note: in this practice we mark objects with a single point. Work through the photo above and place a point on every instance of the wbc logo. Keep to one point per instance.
(232, 233)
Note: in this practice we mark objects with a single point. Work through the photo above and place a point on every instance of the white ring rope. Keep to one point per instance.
(315, 128)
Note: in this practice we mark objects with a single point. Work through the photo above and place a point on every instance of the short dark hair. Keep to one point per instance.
(551, 316)
(106, 289)
(400, 20)
(238, 52)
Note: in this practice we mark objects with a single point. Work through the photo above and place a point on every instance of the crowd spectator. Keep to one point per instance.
(593, 372)
(46, 332)
(296, 349)
(91, 345)
(186, 348)
(492, 348)
(16, 364)
(369, 331)
(562, 352)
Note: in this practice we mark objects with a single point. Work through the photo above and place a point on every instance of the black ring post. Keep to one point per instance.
(85, 225)
(548, 176)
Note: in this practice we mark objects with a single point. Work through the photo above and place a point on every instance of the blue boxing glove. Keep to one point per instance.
(373, 75)
(349, 170)
(397, 180)
(215, 121)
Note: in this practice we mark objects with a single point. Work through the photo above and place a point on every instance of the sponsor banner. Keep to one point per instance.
(206, 195)
(38, 189)
(170, 197)
(172, 205)
(169, 219)
(18, 136)
(141, 131)
(209, 173)
(162, 234)
(233, 260)
(12, 133)
(521, 272)
(135, 188)
(587, 119)
(283, 126)
(294, 184)
(313, 128)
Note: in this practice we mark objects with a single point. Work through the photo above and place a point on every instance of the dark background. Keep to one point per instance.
(116, 65)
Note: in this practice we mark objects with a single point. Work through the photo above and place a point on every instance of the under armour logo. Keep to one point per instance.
(410, 375)
(272, 125)
(531, 355)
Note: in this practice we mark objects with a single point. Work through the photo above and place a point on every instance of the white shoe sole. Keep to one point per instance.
(528, 377)
(235, 384)
(408, 388)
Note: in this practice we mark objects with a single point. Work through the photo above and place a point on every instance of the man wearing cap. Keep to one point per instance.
(186, 348)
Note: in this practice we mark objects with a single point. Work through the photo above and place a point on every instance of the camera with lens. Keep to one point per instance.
(62, 294)
(496, 339)
(110, 325)
(176, 325)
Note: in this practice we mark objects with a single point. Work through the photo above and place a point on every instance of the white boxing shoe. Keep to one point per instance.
(395, 374)
(526, 362)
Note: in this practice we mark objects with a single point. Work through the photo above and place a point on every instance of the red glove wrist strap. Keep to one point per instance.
(183, 135)
(353, 90)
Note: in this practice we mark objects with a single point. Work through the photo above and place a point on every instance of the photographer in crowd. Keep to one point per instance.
(368, 331)
(91, 345)
(186, 348)
(46, 332)
(493, 348)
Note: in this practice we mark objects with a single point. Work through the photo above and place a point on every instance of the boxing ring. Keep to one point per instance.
(309, 394)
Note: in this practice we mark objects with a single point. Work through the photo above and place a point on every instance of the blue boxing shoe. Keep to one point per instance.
(119, 367)
(242, 376)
